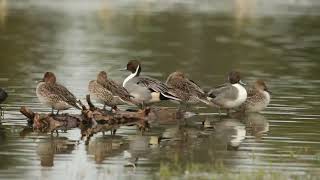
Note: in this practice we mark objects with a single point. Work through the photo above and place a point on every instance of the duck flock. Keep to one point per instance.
(137, 90)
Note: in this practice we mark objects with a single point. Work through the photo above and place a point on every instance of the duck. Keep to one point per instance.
(231, 94)
(55, 95)
(108, 92)
(3, 97)
(258, 97)
(144, 89)
(187, 90)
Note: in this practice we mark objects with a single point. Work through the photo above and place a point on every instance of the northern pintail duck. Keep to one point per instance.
(145, 89)
(3, 97)
(108, 92)
(55, 95)
(186, 90)
(258, 97)
(229, 95)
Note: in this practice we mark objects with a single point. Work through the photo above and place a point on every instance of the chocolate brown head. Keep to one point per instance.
(234, 77)
(261, 85)
(102, 76)
(49, 77)
(134, 66)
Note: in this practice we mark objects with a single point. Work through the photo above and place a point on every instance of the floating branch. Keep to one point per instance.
(91, 120)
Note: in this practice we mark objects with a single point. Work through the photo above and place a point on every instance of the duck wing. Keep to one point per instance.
(156, 86)
(65, 95)
(118, 90)
(196, 86)
(227, 92)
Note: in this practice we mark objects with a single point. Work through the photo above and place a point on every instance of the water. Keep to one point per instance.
(271, 40)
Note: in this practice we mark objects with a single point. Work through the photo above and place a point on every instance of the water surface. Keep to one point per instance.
(271, 40)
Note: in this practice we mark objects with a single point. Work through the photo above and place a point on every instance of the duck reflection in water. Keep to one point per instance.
(230, 133)
(47, 148)
(257, 124)
(138, 148)
(103, 147)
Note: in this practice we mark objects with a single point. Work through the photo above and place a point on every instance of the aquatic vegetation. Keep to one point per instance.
(214, 172)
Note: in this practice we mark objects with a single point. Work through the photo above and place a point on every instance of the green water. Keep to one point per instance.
(271, 40)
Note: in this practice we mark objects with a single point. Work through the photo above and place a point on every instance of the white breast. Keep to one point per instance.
(242, 95)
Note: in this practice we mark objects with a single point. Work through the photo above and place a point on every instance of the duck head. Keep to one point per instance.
(261, 85)
(234, 78)
(134, 67)
(49, 77)
(177, 75)
(102, 77)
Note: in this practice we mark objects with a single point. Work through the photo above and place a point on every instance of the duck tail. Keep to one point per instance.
(171, 96)
(79, 105)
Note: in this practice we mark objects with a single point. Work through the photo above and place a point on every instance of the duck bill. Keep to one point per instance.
(242, 83)
(268, 91)
(123, 69)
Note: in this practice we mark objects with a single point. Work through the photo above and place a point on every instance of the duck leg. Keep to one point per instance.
(142, 105)
(57, 112)
(113, 132)
(228, 112)
(104, 107)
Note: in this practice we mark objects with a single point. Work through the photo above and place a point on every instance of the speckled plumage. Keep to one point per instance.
(258, 98)
(108, 92)
(186, 90)
(55, 95)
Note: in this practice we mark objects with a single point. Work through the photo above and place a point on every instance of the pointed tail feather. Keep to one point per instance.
(171, 96)
(77, 105)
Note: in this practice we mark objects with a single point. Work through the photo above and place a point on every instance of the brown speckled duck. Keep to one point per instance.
(108, 92)
(55, 95)
(186, 90)
(258, 97)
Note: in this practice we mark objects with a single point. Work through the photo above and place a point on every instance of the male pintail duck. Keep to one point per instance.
(186, 90)
(108, 92)
(55, 95)
(258, 97)
(145, 89)
(229, 95)
(3, 97)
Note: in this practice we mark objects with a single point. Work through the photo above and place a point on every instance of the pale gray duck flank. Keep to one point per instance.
(258, 97)
(145, 89)
(55, 95)
(186, 90)
(229, 95)
(108, 92)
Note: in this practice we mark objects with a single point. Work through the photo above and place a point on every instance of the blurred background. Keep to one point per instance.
(278, 41)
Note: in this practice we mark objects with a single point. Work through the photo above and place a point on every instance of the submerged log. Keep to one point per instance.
(91, 120)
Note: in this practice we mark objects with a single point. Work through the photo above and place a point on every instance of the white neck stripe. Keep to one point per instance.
(132, 75)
